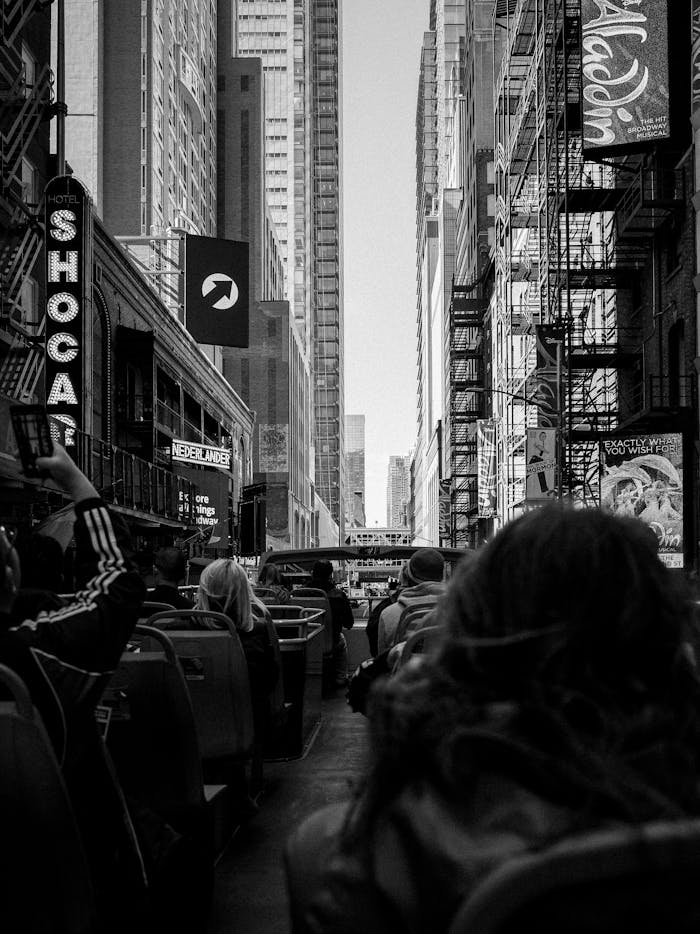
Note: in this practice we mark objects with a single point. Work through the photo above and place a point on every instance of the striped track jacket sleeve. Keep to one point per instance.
(79, 645)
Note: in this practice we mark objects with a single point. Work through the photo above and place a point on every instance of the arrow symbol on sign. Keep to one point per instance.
(222, 286)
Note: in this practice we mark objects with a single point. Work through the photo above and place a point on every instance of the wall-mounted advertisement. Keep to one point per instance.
(545, 386)
(625, 73)
(273, 448)
(540, 465)
(209, 505)
(486, 448)
(445, 511)
(643, 477)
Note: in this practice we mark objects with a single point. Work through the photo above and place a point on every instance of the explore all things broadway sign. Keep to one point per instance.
(625, 73)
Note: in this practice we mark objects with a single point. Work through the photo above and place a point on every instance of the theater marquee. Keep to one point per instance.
(200, 455)
(66, 218)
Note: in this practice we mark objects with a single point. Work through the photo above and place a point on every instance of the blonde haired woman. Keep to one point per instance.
(224, 588)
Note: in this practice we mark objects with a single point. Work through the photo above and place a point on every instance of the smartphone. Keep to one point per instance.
(31, 427)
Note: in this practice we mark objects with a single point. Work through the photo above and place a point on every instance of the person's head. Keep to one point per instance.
(169, 566)
(322, 575)
(584, 589)
(426, 564)
(543, 436)
(270, 574)
(224, 588)
(563, 663)
(41, 559)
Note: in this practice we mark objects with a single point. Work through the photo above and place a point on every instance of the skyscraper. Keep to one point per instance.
(355, 470)
(398, 491)
(298, 42)
(328, 327)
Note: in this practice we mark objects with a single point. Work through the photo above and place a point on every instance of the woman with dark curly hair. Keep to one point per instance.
(562, 698)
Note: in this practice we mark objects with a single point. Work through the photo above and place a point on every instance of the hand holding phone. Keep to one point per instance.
(31, 427)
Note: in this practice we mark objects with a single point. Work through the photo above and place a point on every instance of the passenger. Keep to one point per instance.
(560, 700)
(65, 658)
(224, 588)
(421, 588)
(377, 610)
(271, 579)
(342, 618)
(169, 573)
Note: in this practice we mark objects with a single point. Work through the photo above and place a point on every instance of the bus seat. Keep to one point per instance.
(316, 599)
(149, 607)
(152, 737)
(265, 594)
(45, 882)
(420, 641)
(216, 674)
(642, 879)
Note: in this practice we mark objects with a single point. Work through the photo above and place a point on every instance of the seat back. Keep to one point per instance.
(277, 705)
(152, 736)
(44, 877)
(216, 673)
(316, 599)
(264, 593)
(420, 641)
(642, 879)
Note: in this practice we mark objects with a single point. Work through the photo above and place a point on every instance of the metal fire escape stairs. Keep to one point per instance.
(23, 107)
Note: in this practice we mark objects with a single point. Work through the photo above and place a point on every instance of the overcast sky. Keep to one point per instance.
(381, 53)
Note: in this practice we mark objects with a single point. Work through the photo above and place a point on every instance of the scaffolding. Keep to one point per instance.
(466, 377)
(571, 239)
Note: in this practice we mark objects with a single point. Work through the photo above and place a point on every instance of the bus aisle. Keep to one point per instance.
(249, 890)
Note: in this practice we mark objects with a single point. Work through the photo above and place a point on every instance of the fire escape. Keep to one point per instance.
(601, 217)
(25, 102)
(466, 380)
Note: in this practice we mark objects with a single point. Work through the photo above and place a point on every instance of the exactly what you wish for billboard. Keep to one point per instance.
(625, 74)
(643, 477)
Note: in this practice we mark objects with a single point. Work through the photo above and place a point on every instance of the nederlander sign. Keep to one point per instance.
(624, 60)
(201, 455)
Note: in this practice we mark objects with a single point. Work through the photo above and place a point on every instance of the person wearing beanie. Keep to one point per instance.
(422, 583)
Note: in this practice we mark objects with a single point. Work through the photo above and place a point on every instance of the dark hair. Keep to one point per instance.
(41, 561)
(171, 564)
(563, 664)
(322, 572)
(270, 574)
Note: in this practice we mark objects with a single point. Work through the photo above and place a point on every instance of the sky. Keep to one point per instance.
(381, 57)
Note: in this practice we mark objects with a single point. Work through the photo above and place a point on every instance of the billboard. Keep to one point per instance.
(273, 444)
(643, 477)
(486, 447)
(210, 506)
(216, 291)
(544, 387)
(445, 511)
(540, 465)
(625, 74)
(67, 213)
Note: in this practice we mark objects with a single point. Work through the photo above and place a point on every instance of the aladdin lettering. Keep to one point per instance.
(615, 34)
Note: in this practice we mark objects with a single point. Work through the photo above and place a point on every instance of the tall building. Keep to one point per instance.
(398, 492)
(355, 471)
(141, 126)
(299, 46)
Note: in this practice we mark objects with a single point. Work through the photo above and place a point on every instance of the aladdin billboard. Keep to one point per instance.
(625, 74)
(643, 477)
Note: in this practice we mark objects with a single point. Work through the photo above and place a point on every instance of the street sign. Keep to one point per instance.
(217, 291)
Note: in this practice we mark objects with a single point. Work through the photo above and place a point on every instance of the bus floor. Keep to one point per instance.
(250, 894)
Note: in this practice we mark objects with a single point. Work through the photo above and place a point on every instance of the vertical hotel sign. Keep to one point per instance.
(65, 285)
(625, 74)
